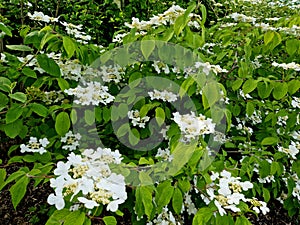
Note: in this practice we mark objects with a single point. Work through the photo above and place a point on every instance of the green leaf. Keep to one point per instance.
(147, 47)
(13, 113)
(19, 96)
(250, 108)
(160, 116)
(145, 179)
(2, 177)
(23, 48)
(249, 86)
(268, 37)
(49, 65)
(124, 129)
(266, 194)
(292, 45)
(18, 190)
(14, 128)
(62, 123)
(3, 100)
(69, 46)
(164, 193)
(242, 220)
(5, 84)
(109, 220)
(237, 84)
(293, 86)
(179, 24)
(63, 84)
(204, 14)
(39, 109)
(75, 218)
(29, 72)
(264, 90)
(270, 141)
(202, 216)
(5, 29)
(58, 217)
(177, 201)
(280, 90)
(89, 117)
(134, 137)
(264, 168)
(146, 192)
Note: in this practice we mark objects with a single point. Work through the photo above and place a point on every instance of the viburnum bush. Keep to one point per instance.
(175, 121)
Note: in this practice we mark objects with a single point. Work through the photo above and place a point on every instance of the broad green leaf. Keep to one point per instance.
(29, 72)
(89, 117)
(266, 194)
(69, 46)
(242, 220)
(124, 129)
(134, 137)
(268, 37)
(13, 113)
(249, 86)
(5, 84)
(293, 86)
(58, 217)
(147, 47)
(14, 128)
(264, 90)
(146, 192)
(280, 90)
(270, 141)
(184, 185)
(23, 48)
(63, 84)
(19, 96)
(264, 168)
(250, 108)
(164, 193)
(160, 116)
(75, 218)
(39, 109)
(202, 216)
(145, 179)
(62, 123)
(292, 45)
(18, 190)
(177, 201)
(3, 100)
(2, 177)
(237, 84)
(110, 220)
(49, 65)
(5, 29)
(203, 14)
(179, 24)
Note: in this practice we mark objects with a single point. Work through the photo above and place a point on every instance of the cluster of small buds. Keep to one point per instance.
(292, 150)
(112, 73)
(165, 218)
(136, 120)
(71, 141)
(287, 66)
(93, 94)
(35, 145)
(192, 126)
(88, 179)
(50, 97)
(164, 154)
(39, 16)
(164, 95)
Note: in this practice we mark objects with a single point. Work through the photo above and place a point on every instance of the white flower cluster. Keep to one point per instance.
(292, 150)
(112, 73)
(226, 193)
(35, 145)
(287, 66)
(193, 126)
(164, 154)
(70, 69)
(93, 94)
(165, 218)
(75, 30)
(31, 61)
(136, 120)
(296, 102)
(39, 16)
(255, 118)
(164, 95)
(241, 126)
(188, 205)
(168, 17)
(71, 141)
(205, 67)
(242, 17)
(88, 180)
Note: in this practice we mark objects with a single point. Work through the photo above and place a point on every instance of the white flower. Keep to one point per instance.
(296, 102)
(56, 200)
(164, 95)
(35, 145)
(89, 204)
(71, 141)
